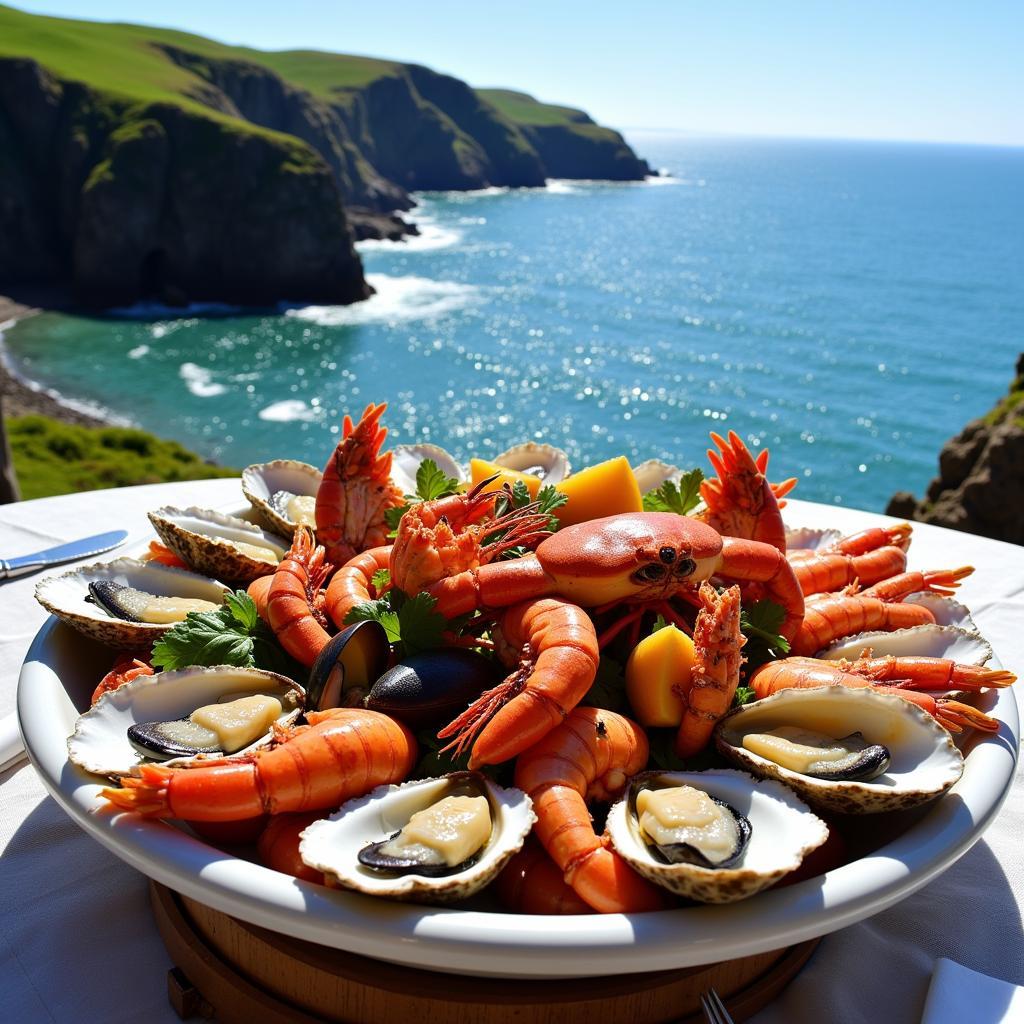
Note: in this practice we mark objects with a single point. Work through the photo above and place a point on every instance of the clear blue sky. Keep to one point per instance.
(947, 70)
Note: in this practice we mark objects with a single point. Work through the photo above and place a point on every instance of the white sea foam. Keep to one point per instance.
(288, 411)
(199, 380)
(396, 299)
(138, 352)
(432, 236)
(562, 187)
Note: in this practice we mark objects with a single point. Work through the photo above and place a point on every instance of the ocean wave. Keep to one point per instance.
(288, 411)
(199, 380)
(432, 236)
(396, 299)
(138, 352)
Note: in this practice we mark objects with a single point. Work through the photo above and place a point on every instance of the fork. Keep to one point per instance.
(714, 1009)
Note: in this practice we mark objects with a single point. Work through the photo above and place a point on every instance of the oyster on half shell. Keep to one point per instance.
(924, 762)
(542, 460)
(782, 831)
(223, 546)
(369, 823)
(282, 494)
(100, 742)
(68, 597)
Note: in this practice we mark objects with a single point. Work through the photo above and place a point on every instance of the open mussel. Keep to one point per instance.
(819, 755)
(729, 837)
(684, 825)
(134, 605)
(103, 601)
(348, 666)
(430, 841)
(432, 685)
(282, 494)
(145, 719)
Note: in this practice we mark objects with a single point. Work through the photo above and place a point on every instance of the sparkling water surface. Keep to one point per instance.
(850, 305)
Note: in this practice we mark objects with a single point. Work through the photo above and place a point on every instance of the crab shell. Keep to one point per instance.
(261, 481)
(590, 560)
(925, 761)
(202, 538)
(65, 596)
(783, 832)
(541, 460)
(100, 741)
(332, 845)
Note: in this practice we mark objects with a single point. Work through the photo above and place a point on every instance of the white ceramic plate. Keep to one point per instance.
(62, 668)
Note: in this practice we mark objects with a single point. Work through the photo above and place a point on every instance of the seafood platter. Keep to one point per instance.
(515, 720)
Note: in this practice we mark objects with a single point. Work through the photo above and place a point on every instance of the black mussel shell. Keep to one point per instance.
(873, 761)
(119, 600)
(684, 853)
(348, 666)
(158, 742)
(371, 857)
(433, 685)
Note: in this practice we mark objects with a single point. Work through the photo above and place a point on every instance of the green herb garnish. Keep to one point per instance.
(670, 497)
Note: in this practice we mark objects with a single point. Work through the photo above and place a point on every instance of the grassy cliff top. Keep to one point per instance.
(128, 61)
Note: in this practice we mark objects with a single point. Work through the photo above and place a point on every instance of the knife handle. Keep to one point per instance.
(9, 569)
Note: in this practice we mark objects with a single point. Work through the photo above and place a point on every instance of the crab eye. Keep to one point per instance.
(686, 567)
(649, 573)
(667, 555)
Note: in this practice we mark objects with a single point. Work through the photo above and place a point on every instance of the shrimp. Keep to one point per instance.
(716, 671)
(558, 657)
(531, 883)
(352, 584)
(741, 502)
(806, 673)
(591, 755)
(342, 753)
(868, 556)
(126, 668)
(923, 673)
(828, 617)
(356, 490)
(293, 606)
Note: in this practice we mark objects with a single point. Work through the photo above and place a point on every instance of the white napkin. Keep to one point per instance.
(958, 995)
(11, 747)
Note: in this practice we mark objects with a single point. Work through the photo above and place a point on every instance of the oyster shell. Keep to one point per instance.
(66, 596)
(406, 460)
(271, 486)
(543, 460)
(650, 475)
(100, 741)
(782, 832)
(924, 761)
(947, 612)
(333, 845)
(930, 640)
(207, 541)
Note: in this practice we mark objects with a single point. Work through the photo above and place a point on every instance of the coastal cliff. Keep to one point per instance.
(139, 162)
(980, 486)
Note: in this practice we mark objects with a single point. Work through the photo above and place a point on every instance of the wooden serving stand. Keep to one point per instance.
(240, 974)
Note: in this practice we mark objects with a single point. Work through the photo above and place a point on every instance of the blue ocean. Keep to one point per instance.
(849, 305)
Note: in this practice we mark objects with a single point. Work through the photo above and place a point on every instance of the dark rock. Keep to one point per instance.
(980, 487)
(387, 226)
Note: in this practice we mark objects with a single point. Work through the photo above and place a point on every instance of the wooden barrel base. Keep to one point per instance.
(241, 974)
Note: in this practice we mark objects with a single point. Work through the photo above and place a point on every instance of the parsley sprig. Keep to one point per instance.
(232, 634)
(431, 482)
(411, 623)
(681, 498)
(760, 623)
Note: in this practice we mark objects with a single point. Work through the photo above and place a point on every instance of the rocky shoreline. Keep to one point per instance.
(16, 397)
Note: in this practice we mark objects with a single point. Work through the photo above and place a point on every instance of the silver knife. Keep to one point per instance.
(24, 564)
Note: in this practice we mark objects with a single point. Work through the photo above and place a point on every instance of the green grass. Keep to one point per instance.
(523, 109)
(1010, 406)
(51, 457)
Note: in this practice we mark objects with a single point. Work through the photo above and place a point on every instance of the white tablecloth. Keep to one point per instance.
(77, 941)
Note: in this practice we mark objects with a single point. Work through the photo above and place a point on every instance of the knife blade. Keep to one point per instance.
(24, 564)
